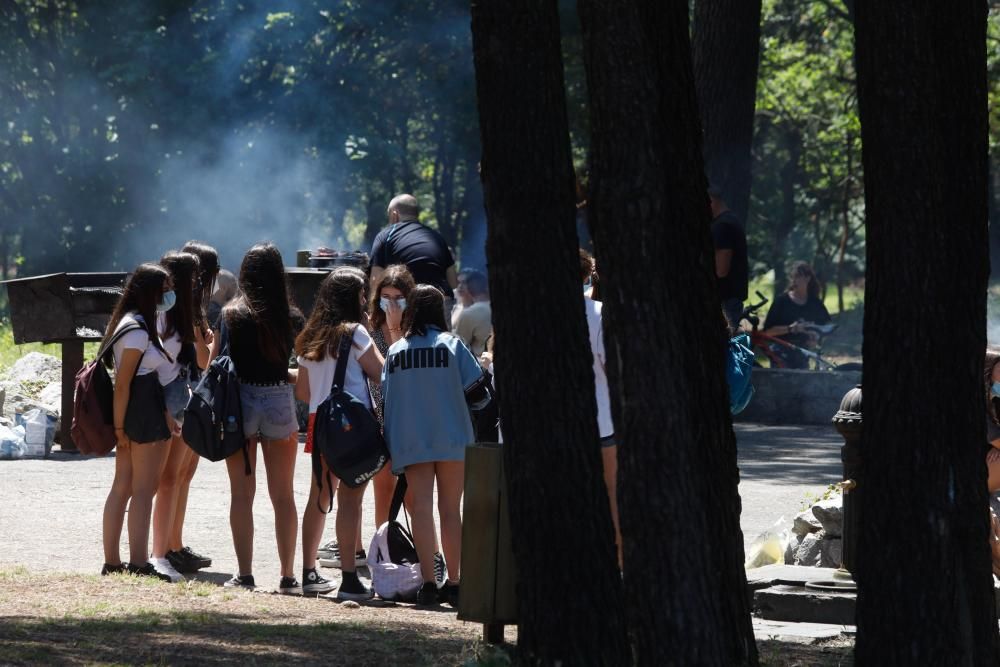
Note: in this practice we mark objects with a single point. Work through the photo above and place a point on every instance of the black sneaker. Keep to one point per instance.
(113, 569)
(448, 593)
(241, 581)
(440, 569)
(428, 594)
(194, 559)
(314, 583)
(148, 570)
(351, 588)
(289, 586)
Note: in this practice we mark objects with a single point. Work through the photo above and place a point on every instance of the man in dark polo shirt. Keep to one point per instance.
(423, 250)
(731, 266)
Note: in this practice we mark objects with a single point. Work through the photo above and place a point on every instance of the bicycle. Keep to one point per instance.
(778, 350)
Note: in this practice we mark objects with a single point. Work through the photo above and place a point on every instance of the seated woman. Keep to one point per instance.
(793, 311)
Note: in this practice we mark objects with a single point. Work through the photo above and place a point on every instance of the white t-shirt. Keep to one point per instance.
(137, 340)
(321, 373)
(596, 331)
(167, 370)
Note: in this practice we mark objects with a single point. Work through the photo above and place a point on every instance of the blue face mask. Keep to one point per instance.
(383, 303)
(169, 299)
(587, 285)
(995, 389)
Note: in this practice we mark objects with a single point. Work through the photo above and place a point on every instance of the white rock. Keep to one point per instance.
(36, 366)
(831, 551)
(808, 552)
(805, 523)
(830, 514)
(350, 604)
(51, 395)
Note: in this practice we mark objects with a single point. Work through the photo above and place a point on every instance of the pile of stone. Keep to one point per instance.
(817, 535)
(34, 381)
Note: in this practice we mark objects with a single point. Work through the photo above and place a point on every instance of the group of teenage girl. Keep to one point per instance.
(280, 357)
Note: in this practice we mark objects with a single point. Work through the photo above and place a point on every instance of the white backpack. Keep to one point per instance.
(392, 557)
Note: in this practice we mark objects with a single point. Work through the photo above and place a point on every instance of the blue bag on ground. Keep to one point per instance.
(739, 365)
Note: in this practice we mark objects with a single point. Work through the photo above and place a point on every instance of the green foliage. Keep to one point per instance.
(807, 198)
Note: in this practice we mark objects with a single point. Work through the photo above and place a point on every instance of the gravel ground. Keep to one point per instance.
(50, 509)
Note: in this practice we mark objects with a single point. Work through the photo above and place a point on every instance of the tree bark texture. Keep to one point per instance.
(570, 611)
(685, 588)
(726, 50)
(925, 593)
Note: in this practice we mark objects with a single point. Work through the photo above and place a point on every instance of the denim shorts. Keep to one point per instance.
(268, 410)
(176, 395)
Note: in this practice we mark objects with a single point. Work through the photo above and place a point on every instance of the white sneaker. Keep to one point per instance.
(360, 560)
(164, 567)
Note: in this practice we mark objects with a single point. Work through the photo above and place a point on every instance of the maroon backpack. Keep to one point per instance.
(93, 428)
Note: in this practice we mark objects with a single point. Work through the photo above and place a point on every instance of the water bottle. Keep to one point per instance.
(231, 424)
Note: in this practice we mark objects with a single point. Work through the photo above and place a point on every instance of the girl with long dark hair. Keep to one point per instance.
(259, 326)
(178, 474)
(176, 328)
(338, 312)
(427, 427)
(140, 417)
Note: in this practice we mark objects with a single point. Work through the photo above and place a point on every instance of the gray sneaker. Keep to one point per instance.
(328, 551)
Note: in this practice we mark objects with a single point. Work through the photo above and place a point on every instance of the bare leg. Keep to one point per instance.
(384, 484)
(451, 484)
(189, 465)
(279, 458)
(313, 520)
(114, 506)
(609, 457)
(348, 514)
(994, 475)
(420, 478)
(167, 493)
(242, 489)
(147, 464)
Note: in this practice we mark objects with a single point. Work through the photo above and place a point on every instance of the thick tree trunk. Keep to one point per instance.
(726, 50)
(570, 613)
(925, 592)
(685, 587)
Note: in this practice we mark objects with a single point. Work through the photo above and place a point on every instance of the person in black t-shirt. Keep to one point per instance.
(792, 311)
(424, 252)
(731, 265)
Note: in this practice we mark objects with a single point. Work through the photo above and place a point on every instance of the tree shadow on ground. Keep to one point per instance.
(206, 638)
(790, 455)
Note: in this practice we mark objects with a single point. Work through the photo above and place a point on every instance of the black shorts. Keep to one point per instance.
(145, 420)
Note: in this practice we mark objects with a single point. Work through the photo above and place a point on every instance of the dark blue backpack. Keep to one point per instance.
(345, 432)
(213, 418)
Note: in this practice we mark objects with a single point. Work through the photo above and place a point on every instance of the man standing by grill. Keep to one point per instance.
(424, 252)
(731, 266)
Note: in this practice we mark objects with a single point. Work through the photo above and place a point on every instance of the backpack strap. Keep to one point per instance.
(343, 352)
(106, 347)
(317, 466)
(224, 333)
(397, 497)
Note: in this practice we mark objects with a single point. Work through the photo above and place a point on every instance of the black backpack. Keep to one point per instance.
(345, 432)
(213, 418)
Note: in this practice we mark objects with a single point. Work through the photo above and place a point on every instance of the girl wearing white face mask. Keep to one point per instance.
(177, 330)
(385, 316)
(140, 416)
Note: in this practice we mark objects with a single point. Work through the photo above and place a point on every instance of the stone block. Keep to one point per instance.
(799, 604)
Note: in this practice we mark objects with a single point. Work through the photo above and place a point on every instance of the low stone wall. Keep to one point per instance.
(797, 397)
